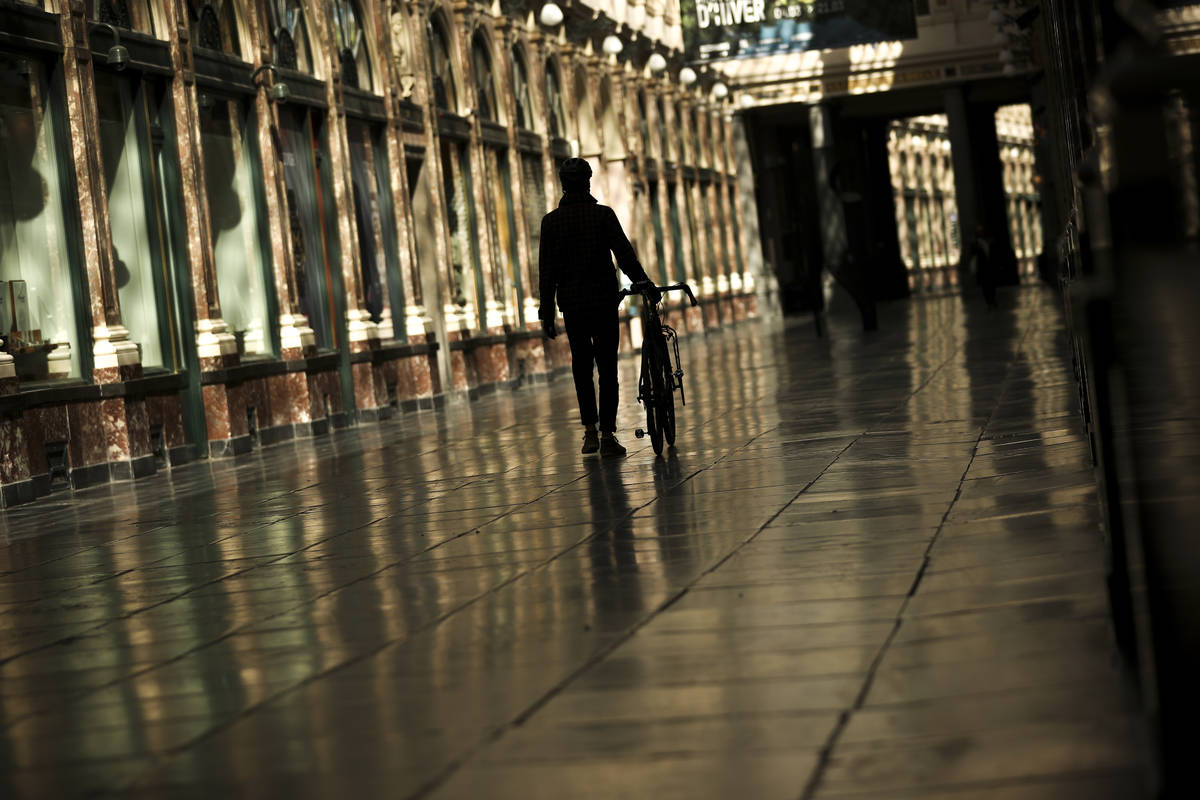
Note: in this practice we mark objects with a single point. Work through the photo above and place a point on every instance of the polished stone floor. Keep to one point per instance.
(872, 569)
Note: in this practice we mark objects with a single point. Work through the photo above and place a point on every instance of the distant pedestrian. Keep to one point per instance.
(578, 241)
(983, 264)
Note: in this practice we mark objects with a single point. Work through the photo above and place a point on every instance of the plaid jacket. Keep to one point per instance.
(575, 258)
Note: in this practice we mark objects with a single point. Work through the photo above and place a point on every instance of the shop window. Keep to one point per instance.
(445, 91)
(554, 103)
(232, 177)
(379, 259)
(533, 179)
(464, 281)
(303, 157)
(507, 283)
(129, 136)
(37, 296)
(354, 55)
(289, 33)
(524, 101)
(485, 82)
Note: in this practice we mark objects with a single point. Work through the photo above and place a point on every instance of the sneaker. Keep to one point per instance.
(609, 446)
(591, 441)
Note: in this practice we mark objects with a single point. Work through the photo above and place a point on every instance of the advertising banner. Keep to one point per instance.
(720, 29)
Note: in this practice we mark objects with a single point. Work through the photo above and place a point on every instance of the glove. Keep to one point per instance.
(549, 329)
(654, 294)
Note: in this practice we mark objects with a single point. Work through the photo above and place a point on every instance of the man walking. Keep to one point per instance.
(578, 241)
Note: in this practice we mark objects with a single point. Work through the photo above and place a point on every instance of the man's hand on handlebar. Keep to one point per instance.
(549, 328)
(649, 291)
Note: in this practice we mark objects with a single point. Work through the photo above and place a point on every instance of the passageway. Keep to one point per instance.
(873, 568)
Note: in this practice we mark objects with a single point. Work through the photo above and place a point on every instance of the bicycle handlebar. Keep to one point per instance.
(640, 287)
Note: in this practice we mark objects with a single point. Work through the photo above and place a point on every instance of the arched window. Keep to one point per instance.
(214, 26)
(289, 35)
(354, 55)
(132, 15)
(445, 93)
(521, 91)
(485, 82)
(554, 103)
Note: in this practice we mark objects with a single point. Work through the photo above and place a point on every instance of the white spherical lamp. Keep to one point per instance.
(687, 76)
(611, 45)
(656, 63)
(720, 90)
(551, 15)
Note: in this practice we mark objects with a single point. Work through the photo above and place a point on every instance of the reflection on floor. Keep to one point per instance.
(871, 569)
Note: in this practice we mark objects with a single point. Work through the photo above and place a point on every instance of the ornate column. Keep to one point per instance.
(397, 62)
(360, 330)
(115, 358)
(491, 310)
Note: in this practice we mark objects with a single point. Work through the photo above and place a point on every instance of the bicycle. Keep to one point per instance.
(658, 381)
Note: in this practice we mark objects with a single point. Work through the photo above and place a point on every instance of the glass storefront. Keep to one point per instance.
(303, 156)
(233, 179)
(379, 258)
(130, 135)
(533, 179)
(507, 282)
(463, 246)
(37, 316)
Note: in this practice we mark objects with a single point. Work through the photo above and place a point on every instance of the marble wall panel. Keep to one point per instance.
(426, 376)
(115, 429)
(137, 421)
(406, 379)
(216, 412)
(739, 308)
(258, 397)
(331, 385)
(87, 441)
(695, 319)
(34, 422)
(14, 451)
(459, 374)
(167, 411)
(300, 399)
(382, 375)
(364, 385)
(238, 395)
(712, 317)
(279, 401)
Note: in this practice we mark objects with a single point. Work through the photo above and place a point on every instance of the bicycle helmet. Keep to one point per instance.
(575, 169)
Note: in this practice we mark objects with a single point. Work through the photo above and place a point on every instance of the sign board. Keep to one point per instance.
(720, 29)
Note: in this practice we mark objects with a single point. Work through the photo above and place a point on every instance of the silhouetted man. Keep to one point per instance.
(578, 241)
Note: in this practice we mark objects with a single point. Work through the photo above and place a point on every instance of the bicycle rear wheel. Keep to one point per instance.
(667, 406)
(652, 393)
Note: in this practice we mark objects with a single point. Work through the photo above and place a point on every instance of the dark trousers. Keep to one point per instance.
(594, 334)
